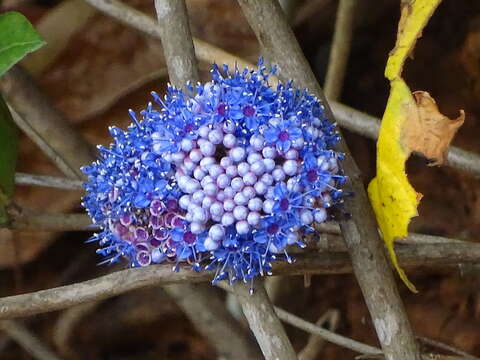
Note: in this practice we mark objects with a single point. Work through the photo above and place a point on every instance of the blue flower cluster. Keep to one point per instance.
(224, 176)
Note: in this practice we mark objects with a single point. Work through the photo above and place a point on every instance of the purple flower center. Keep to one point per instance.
(178, 222)
(120, 229)
(169, 219)
(189, 237)
(156, 207)
(155, 242)
(221, 109)
(273, 229)
(126, 219)
(312, 175)
(143, 258)
(284, 204)
(188, 128)
(172, 205)
(160, 234)
(248, 111)
(156, 221)
(141, 234)
(283, 135)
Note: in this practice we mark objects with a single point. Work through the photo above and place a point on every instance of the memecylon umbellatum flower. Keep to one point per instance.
(224, 176)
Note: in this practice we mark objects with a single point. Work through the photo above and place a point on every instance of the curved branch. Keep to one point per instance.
(443, 257)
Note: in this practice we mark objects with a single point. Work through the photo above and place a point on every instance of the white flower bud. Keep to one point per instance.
(269, 152)
(207, 148)
(249, 192)
(237, 154)
(210, 244)
(184, 201)
(229, 205)
(260, 187)
(186, 145)
(253, 218)
(197, 227)
(198, 196)
(258, 167)
(195, 155)
(290, 167)
(228, 219)
(255, 204)
(216, 209)
(215, 136)
(257, 142)
(216, 232)
(306, 217)
(268, 206)
(242, 227)
(229, 141)
(243, 168)
(240, 199)
(278, 174)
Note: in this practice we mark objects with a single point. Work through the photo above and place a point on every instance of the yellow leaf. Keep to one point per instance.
(393, 199)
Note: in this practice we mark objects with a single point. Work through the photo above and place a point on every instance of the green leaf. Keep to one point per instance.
(17, 39)
(8, 158)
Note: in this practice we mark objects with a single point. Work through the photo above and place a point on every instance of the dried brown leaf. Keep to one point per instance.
(427, 131)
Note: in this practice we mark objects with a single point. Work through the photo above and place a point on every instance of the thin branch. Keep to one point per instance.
(46, 126)
(144, 23)
(441, 346)
(351, 119)
(369, 126)
(340, 51)
(208, 314)
(27, 340)
(200, 303)
(47, 181)
(312, 329)
(366, 249)
(315, 342)
(52, 222)
(438, 257)
(326, 334)
(65, 326)
(177, 41)
(263, 321)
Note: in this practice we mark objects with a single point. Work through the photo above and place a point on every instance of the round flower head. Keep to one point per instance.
(226, 175)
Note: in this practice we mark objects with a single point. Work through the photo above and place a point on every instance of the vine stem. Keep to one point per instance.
(199, 302)
(340, 51)
(360, 233)
(347, 117)
(441, 257)
(263, 321)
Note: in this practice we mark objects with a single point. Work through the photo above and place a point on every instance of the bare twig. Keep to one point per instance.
(47, 181)
(209, 315)
(263, 321)
(57, 27)
(66, 324)
(340, 51)
(351, 119)
(27, 340)
(439, 257)
(315, 342)
(441, 346)
(52, 222)
(360, 232)
(177, 41)
(325, 334)
(200, 303)
(313, 329)
(144, 23)
(369, 126)
(47, 127)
